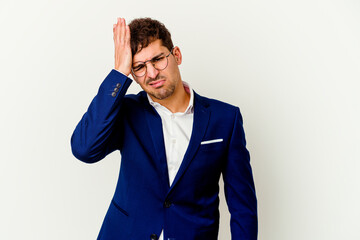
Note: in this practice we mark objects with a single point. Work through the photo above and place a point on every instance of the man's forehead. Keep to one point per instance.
(147, 53)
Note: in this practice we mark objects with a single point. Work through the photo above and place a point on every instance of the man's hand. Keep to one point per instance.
(123, 59)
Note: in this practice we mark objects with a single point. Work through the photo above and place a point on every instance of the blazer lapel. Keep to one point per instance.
(201, 120)
(156, 143)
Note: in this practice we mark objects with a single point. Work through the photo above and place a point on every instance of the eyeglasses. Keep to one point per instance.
(158, 62)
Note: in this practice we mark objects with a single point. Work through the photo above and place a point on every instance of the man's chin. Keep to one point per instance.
(161, 94)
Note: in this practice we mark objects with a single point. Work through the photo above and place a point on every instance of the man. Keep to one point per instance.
(174, 146)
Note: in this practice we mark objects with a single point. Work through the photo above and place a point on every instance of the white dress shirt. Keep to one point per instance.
(177, 129)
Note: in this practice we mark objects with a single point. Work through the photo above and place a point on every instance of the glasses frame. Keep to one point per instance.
(153, 64)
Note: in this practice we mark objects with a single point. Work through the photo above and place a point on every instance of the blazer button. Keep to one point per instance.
(113, 94)
(118, 85)
(116, 89)
(167, 204)
(153, 237)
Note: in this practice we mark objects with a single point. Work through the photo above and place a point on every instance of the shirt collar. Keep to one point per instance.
(190, 107)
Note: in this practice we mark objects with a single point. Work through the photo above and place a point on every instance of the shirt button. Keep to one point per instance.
(167, 204)
(172, 116)
(153, 237)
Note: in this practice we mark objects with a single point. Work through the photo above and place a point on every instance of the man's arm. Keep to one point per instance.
(96, 135)
(239, 186)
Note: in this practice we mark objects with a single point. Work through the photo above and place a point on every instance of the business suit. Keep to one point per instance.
(144, 203)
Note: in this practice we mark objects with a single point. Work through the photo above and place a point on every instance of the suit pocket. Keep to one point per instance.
(212, 145)
(119, 208)
(212, 141)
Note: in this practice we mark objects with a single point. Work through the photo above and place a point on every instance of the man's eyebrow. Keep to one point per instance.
(156, 56)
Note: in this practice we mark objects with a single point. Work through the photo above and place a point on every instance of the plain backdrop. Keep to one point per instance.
(293, 68)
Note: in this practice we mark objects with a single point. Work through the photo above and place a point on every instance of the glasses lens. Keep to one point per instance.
(160, 63)
(139, 70)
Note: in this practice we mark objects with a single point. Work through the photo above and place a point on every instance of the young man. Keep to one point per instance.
(174, 146)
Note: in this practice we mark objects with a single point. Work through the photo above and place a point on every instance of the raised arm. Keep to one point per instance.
(98, 132)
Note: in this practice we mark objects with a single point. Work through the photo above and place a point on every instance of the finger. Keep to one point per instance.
(117, 24)
(117, 29)
(122, 30)
(128, 35)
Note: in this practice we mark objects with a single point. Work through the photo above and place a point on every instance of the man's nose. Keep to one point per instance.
(151, 71)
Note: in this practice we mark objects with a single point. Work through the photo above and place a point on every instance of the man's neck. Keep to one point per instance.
(177, 102)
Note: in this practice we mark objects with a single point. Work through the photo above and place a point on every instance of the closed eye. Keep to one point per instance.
(138, 67)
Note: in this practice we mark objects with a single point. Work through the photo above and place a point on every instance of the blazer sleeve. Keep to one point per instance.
(239, 186)
(93, 137)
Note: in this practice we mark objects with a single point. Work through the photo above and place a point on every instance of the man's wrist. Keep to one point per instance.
(120, 72)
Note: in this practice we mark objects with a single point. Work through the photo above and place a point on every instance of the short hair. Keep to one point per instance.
(145, 31)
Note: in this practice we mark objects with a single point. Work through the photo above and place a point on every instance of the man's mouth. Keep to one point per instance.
(157, 83)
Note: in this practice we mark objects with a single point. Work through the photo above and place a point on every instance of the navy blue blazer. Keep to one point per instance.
(143, 203)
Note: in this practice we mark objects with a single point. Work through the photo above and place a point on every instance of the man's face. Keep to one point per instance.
(159, 84)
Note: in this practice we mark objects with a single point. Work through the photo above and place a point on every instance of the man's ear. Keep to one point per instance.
(177, 54)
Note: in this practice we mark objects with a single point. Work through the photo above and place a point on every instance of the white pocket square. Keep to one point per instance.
(212, 141)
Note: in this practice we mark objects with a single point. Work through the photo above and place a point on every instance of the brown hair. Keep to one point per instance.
(145, 31)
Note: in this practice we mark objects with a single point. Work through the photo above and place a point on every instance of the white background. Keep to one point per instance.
(293, 68)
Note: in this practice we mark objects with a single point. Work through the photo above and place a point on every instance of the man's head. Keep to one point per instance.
(146, 30)
(150, 41)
